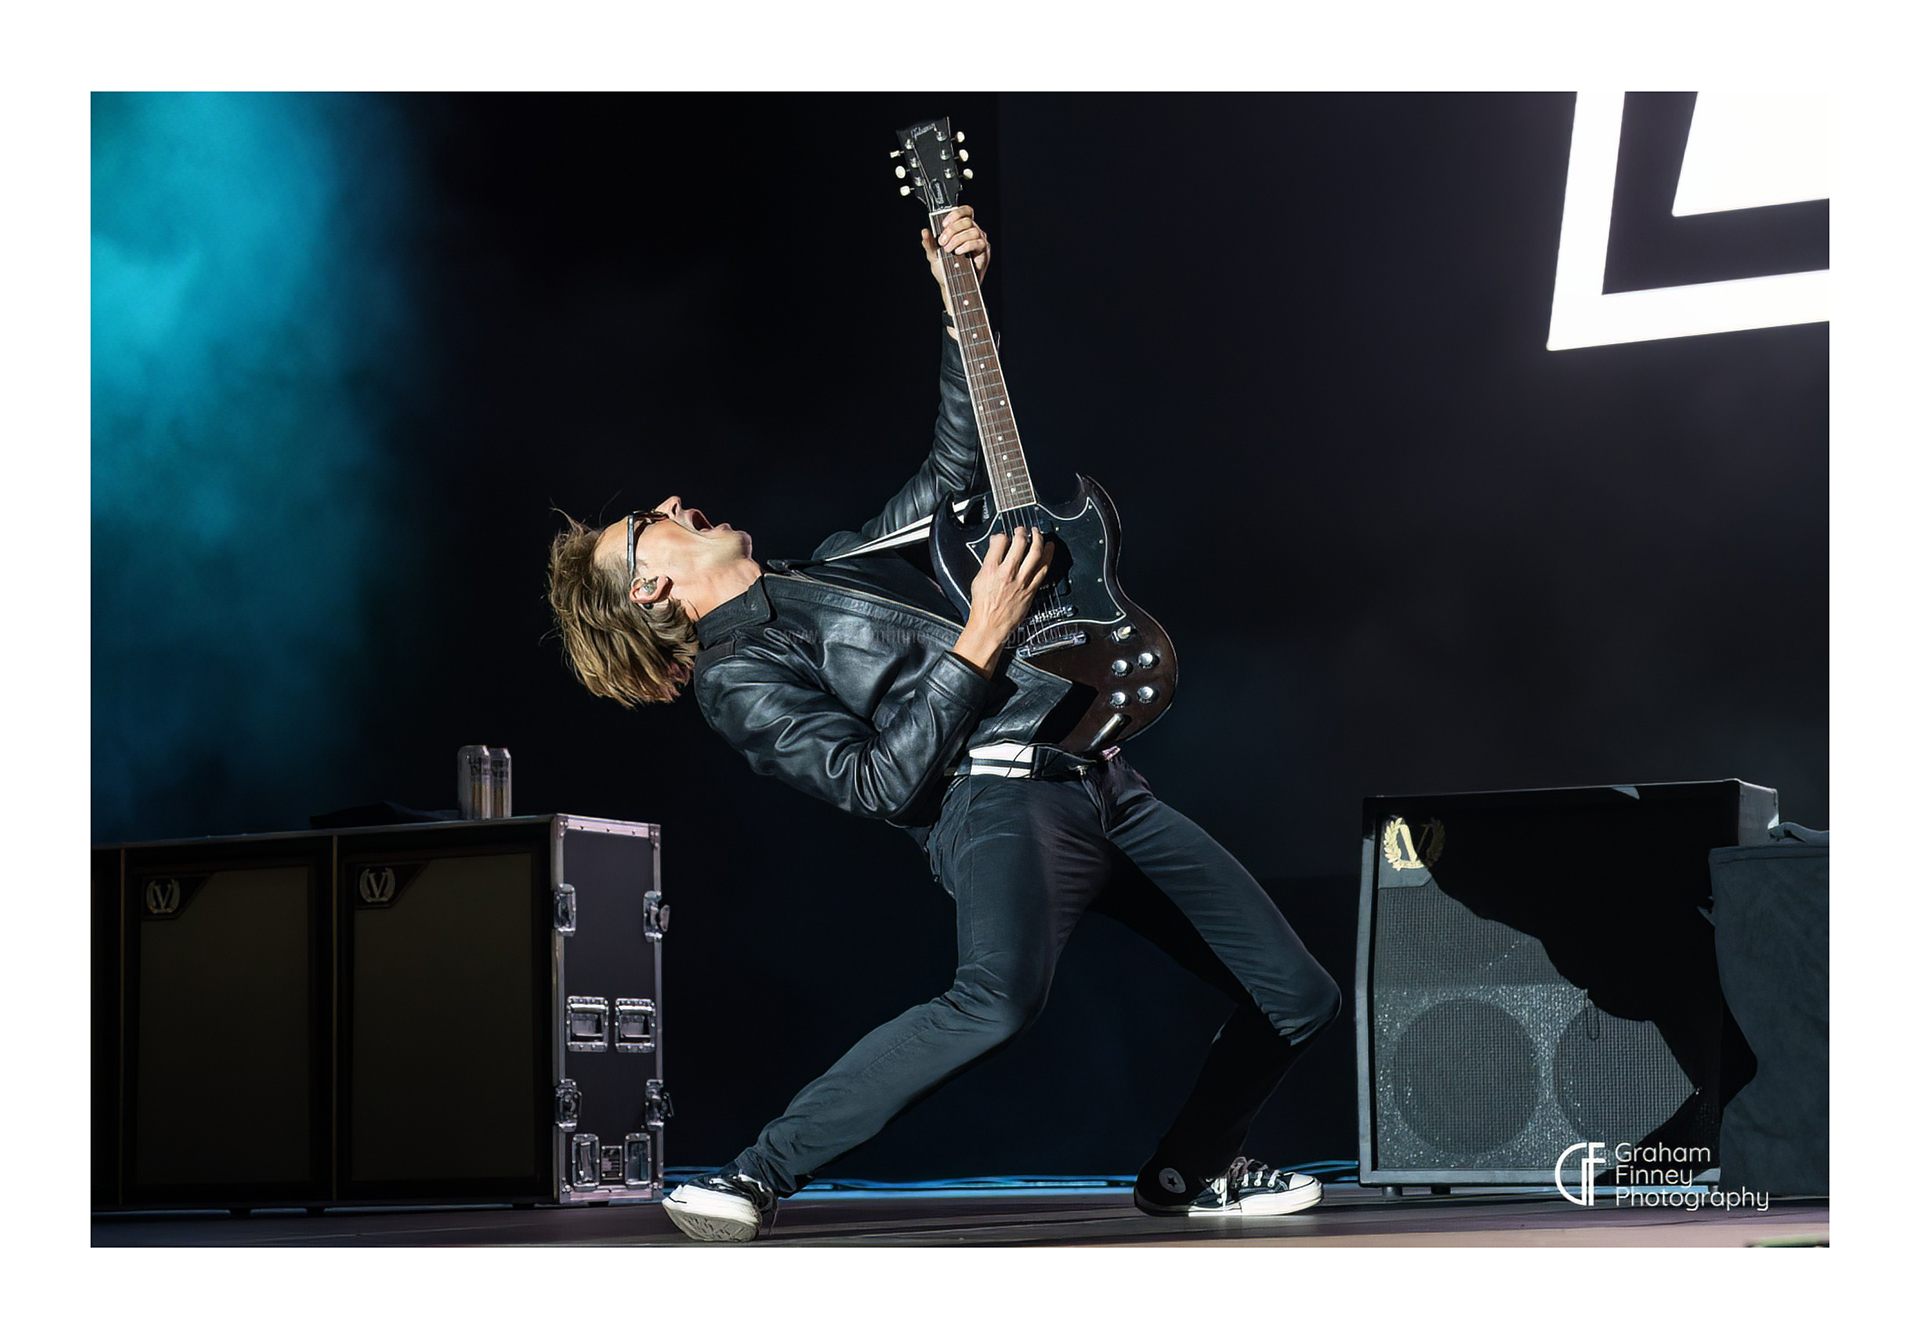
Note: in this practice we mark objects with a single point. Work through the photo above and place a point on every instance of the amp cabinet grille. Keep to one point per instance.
(1535, 971)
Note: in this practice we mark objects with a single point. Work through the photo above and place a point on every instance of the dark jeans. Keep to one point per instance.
(1024, 859)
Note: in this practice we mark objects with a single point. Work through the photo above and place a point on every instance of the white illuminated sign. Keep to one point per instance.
(1731, 163)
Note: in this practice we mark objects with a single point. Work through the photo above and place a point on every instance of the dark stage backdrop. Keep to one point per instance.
(349, 351)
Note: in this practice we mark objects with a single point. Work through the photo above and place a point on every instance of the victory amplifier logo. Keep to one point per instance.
(162, 896)
(377, 885)
(1405, 850)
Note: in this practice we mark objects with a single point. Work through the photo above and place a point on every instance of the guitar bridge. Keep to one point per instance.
(1046, 643)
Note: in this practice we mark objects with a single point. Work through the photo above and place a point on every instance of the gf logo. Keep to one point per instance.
(1593, 1156)
(376, 884)
(163, 896)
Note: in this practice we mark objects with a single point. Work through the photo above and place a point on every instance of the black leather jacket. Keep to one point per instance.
(838, 676)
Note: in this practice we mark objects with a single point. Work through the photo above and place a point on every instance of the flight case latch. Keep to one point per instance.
(566, 1105)
(659, 1103)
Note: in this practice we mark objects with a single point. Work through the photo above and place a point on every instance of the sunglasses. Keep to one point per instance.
(637, 522)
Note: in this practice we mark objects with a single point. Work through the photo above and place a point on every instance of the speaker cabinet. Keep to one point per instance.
(1536, 970)
(1770, 928)
(432, 1013)
(223, 1073)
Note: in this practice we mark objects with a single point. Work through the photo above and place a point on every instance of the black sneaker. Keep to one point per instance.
(1246, 1190)
(727, 1206)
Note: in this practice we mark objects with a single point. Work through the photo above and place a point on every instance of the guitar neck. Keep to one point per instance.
(999, 438)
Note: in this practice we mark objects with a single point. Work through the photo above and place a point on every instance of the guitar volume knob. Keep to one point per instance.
(1122, 667)
(1146, 660)
(1118, 698)
(1146, 693)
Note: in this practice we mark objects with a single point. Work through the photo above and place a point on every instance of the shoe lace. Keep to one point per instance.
(1245, 1174)
(757, 1191)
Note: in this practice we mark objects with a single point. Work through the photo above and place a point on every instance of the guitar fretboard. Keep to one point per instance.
(999, 438)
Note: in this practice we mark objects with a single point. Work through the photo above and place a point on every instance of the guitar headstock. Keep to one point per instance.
(930, 161)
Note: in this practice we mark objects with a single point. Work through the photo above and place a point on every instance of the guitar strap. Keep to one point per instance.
(911, 533)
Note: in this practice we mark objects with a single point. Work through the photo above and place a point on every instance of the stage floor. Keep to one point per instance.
(1350, 1216)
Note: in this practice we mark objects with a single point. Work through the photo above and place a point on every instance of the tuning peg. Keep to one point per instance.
(967, 173)
(896, 153)
(963, 155)
(900, 172)
(906, 190)
(959, 137)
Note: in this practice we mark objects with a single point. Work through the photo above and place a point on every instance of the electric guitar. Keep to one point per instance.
(1081, 625)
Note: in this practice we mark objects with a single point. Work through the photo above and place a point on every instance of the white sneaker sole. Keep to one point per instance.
(710, 1216)
(1264, 1205)
(1261, 1205)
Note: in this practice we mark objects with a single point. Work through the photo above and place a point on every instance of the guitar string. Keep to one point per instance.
(1026, 514)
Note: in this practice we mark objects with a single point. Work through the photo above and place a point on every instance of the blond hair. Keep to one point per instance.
(628, 652)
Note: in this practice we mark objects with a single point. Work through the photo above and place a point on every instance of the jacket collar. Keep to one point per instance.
(745, 610)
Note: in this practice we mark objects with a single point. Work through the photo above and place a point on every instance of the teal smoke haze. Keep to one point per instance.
(249, 304)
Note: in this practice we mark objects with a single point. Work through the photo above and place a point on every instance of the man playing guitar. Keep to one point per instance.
(853, 677)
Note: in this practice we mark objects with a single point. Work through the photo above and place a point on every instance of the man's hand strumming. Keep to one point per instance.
(1011, 574)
